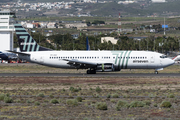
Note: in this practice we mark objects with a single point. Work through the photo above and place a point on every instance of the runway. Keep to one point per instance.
(89, 75)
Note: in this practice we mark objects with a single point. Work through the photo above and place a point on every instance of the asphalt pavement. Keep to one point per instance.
(89, 75)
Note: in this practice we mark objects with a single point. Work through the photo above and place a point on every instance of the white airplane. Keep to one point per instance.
(4, 55)
(94, 61)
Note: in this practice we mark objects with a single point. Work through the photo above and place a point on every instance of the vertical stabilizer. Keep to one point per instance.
(26, 42)
(87, 44)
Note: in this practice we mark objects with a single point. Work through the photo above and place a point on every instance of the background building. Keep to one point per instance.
(6, 30)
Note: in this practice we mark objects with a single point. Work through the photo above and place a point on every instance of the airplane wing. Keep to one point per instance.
(18, 52)
(80, 64)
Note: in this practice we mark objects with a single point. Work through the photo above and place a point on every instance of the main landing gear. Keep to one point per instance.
(91, 71)
(156, 72)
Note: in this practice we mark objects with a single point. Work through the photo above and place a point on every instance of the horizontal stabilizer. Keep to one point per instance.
(18, 52)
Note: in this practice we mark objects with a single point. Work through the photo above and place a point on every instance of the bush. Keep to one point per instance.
(171, 96)
(72, 102)
(2, 96)
(37, 103)
(115, 95)
(165, 104)
(121, 104)
(54, 101)
(98, 89)
(7, 99)
(155, 105)
(113, 101)
(72, 89)
(137, 104)
(90, 89)
(147, 102)
(40, 95)
(28, 101)
(75, 90)
(79, 89)
(101, 106)
(108, 96)
(79, 99)
(51, 96)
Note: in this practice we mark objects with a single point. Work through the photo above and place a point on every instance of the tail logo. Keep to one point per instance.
(26, 42)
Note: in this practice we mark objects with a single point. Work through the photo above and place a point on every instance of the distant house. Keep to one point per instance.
(75, 36)
(51, 25)
(36, 25)
(158, 1)
(76, 25)
(29, 25)
(43, 24)
(106, 39)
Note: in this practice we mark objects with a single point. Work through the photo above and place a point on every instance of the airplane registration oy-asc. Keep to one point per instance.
(94, 61)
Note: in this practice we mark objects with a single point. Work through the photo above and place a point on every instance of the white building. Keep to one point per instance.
(29, 25)
(6, 30)
(106, 39)
(158, 1)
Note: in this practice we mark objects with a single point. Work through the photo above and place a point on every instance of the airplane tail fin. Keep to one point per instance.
(26, 42)
(87, 44)
(177, 58)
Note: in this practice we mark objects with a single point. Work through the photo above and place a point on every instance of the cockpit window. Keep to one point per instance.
(163, 56)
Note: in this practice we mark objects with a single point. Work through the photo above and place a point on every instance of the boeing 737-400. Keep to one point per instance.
(94, 61)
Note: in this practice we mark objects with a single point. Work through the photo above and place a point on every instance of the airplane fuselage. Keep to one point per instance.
(115, 60)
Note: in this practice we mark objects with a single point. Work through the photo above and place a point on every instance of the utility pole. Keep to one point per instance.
(73, 44)
(164, 27)
(119, 24)
(139, 44)
(147, 44)
(154, 44)
(179, 45)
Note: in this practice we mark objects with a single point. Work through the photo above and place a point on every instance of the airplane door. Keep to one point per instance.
(161, 62)
(152, 58)
(41, 59)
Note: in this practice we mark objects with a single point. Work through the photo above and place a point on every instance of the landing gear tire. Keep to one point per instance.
(156, 72)
(91, 72)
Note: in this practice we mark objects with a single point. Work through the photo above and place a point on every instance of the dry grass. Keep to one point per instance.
(27, 91)
(34, 68)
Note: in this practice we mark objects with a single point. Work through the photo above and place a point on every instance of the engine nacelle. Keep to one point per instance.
(106, 67)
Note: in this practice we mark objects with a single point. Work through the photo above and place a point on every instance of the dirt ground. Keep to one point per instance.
(24, 92)
(32, 98)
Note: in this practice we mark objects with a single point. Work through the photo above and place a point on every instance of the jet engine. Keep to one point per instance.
(106, 67)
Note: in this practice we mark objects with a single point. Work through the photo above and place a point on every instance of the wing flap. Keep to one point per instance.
(80, 64)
